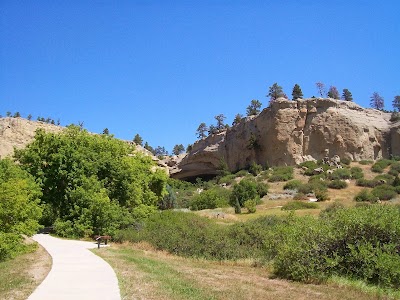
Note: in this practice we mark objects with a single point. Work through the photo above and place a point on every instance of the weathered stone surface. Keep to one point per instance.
(290, 132)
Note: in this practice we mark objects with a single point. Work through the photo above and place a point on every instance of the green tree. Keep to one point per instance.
(201, 130)
(243, 191)
(68, 163)
(148, 147)
(220, 121)
(178, 149)
(275, 92)
(17, 115)
(396, 103)
(138, 140)
(29, 117)
(333, 93)
(347, 96)
(8, 114)
(377, 101)
(106, 131)
(297, 93)
(254, 108)
(237, 120)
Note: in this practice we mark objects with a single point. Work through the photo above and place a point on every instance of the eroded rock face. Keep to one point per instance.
(19, 132)
(290, 132)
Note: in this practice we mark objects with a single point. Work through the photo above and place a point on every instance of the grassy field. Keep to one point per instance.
(20, 276)
(144, 273)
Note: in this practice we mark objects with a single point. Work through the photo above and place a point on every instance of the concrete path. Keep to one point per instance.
(76, 273)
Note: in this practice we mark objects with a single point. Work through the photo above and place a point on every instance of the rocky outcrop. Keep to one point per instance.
(18, 132)
(290, 132)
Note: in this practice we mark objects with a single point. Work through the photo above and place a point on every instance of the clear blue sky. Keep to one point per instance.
(160, 68)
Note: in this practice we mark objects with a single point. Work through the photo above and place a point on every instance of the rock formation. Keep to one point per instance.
(290, 132)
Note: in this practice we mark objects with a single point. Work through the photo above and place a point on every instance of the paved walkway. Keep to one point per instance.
(76, 272)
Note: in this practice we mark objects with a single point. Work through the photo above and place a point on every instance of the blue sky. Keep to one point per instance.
(160, 68)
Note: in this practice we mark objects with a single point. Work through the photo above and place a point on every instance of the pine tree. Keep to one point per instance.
(333, 93)
(237, 120)
(106, 131)
(29, 117)
(178, 149)
(377, 101)
(297, 92)
(396, 103)
(347, 96)
(201, 131)
(253, 108)
(275, 92)
(220, 121)
(138, 140)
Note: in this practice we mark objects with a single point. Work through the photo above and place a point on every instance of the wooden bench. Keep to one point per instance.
(100, 238)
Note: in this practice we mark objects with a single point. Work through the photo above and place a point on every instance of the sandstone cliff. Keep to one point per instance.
(289, 132)
(18, 132)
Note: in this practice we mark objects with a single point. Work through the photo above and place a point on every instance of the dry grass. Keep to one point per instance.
(148, 274)
(20, 276)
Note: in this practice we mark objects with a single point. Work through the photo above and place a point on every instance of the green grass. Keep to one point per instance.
(168, 280)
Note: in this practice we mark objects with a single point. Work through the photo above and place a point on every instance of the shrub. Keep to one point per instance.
(368, 183)
(292, 185)
(300, 196)
(340, 174)
(380, 165)
(295, 205)
(345, 161)
(281, 174)
(255, 169)
(365, 195)
(384, 192)
(209, 199)
(227, 179)
(243, 191)
(309, 164)
(242, 173)
(356, 173)
(321, 195)
(337, 184)
(262, 189)
(250, 205)
(384, 178)
(366, 162)
(331, 209)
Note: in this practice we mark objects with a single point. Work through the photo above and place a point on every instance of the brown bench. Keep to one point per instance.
(100, 238)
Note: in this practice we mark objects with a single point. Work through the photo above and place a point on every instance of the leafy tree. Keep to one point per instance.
(377, 101)
(237, 120)
(396, 103)
(220, 121)
(347, 96)
(321, 88)
(297, 92)
(201, 130)
(29, 117)
(243, 191)
(254, 108)
(8, 114)
(17, 115)
(275, 92)
(333, 93)
(178, 149)
(138, 140)
(106, 131)
(78, 172)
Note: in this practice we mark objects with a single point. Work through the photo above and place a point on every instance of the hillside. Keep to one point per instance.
(290, 132)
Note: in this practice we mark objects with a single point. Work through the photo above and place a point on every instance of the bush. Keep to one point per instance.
(365, 195)
(242, 173)
(262, 189)
(321, 195)
(245, 190)
(340, 174)
(292, 185)
(356, 173)
(227, 179)
(337, 184)
(295, 205)
(384, 178)
(300, 196)
(384, 192)
(255, 169)
(281, 174)
(250, 205)
(380, 165)
(345, 161)
(366, 162)
(209, 199)
(368, 183)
